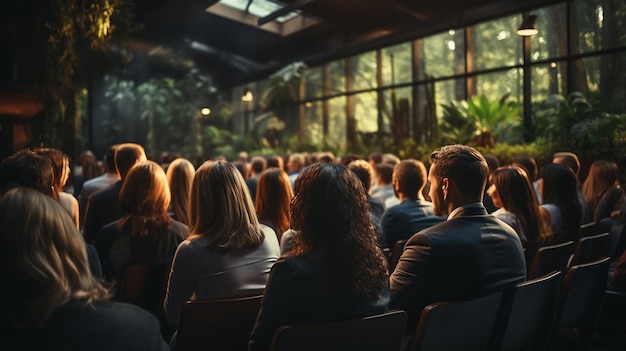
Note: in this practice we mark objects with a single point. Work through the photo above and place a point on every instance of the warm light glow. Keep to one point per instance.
(247, 96)
(308, 104)
(205, 111)
(528, 27)
(553, 64)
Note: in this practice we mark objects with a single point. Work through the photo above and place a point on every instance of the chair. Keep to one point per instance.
(379, 332)
(396, 252)
(218, 324)
(144, 286)
(551, 258)
(591, 248)
(588, 229)
(526, 315)
(580, 302)
(465, 325)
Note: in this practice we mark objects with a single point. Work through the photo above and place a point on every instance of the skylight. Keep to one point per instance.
(260, 8)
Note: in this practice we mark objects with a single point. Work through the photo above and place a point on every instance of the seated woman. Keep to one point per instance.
(145, 234)
(49, 299)
(180, 174)
(273, 196)
(560, 198)
(335, 269)
(514, 196)
(228, 253)
(602, 191)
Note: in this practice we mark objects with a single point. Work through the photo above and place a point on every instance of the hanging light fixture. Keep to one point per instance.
(528, 27)
(247, 95)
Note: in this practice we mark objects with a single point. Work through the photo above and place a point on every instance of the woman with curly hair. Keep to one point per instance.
(335, 269)
(145, 234)
(49, 298)
(273, 196)
(602, 190)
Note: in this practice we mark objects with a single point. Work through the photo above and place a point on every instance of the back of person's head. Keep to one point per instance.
(465, 166)
(221, 208)
(492, 162)
(296, 162)
(273, 197)
(27, 169)
(258, 164)
(529, 164)
(326, 157)
(603, 175)
(375, 158)
(559, 187)
(145, 198)
(126, 156)
(363, 170)
(331, 214)
(384, 172)
(347, 159)
(568, 159)
(275, 161)
(60, 165)
(180, 177)
(109, 158)
(410, 177)
(518, 197)
(242, 157)
(89, 163)
(44, 259)
(242, 167)
(390, 159)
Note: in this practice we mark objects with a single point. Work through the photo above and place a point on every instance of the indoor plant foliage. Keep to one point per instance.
(481, 122)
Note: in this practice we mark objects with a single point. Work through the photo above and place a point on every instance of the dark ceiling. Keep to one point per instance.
(234, 52)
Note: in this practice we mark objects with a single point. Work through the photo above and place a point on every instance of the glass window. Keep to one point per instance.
(337, 121)
(366, 112)
(314, 122)
(604, 75)
(402, 99)
(547, 79)
(445, 93)
(496, 43)
(443, 54)
(551, 41)
(397, 59)
(337, 77)
(313, 82)
(364, 71)
(599, 24)
(497, 84)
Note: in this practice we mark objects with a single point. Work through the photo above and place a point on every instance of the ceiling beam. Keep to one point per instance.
(285, 10)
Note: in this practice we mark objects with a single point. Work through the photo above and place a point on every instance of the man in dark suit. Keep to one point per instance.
(413, 213)
(470, 255)
(103, 207)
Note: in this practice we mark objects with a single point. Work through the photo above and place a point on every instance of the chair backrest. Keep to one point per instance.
(588, 229)
(591, 248)
(378, 332)
(526, 314)
(465, 325)
(219, 324)
(551, 258)
(144, 286)
(396, 252)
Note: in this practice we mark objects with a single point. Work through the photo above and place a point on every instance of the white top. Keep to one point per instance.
(199, 273)
(555, 217)
(70, 204)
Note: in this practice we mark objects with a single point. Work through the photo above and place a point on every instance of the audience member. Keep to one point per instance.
(88, 169)
(514, 196)
(61, 166)
(257, 166)
(560, 199)
(529, 164)
(470, 255)
(50, 300)
(390, 159)
(335, 270)
(602, 191)
(295, 164)
(228, 253)
(103, 207)
(413, 213)
(99, 183)
(145, 234)
(492, 164)
(275, 161)
(570, 160)
(325, 157)
(382, 190)
(273, 199)
(180, 177)
(364, 172)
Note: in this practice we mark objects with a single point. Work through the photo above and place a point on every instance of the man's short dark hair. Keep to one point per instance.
(25, 168)
(410, 176)
(363, 171)
(463, 165)
(258, 164)
(385, 172)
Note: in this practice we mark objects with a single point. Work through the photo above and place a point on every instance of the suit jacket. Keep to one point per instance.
(102, 208)
(409, 217)
(468, 256)
(298, 291)
(99, 326)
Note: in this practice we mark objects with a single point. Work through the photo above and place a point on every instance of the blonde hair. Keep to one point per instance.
(145, 198)
(221, 208)
(180, 177)
(43, 258)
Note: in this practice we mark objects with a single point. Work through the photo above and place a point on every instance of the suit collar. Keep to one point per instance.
(473, 209)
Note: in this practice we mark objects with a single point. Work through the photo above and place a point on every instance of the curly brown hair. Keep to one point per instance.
(331, 213)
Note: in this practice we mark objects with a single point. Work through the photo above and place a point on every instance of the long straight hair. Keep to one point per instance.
(180, 177)
(603, 176)
(273, 197)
